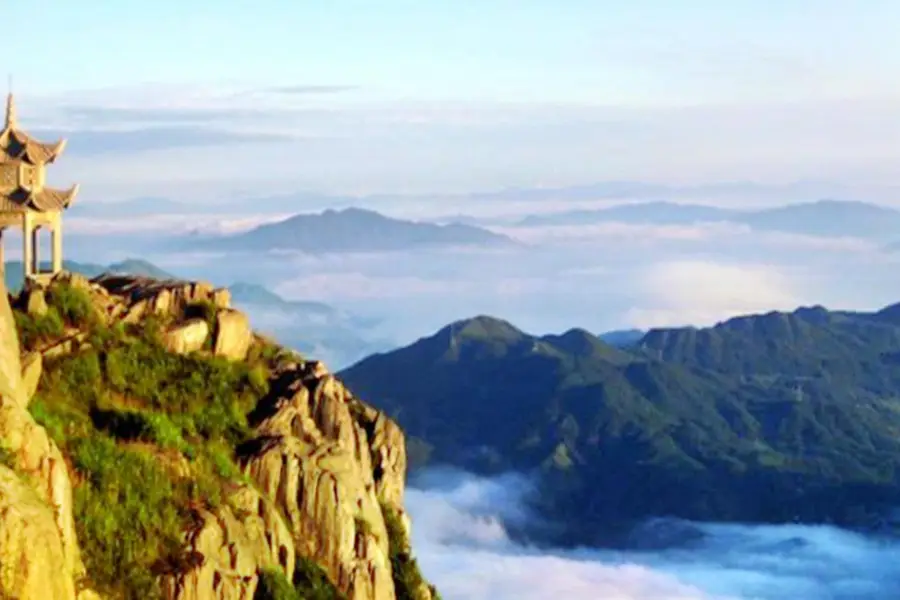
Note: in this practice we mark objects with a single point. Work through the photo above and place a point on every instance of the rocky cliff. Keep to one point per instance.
(155, 447)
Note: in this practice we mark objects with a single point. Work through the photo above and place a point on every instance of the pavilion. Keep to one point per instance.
(25, 201)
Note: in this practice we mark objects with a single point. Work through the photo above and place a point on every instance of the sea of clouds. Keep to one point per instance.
(598, 277)
(460, 537)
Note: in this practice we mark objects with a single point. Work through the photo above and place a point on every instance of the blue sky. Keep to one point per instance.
(594, 51)
(441, 95)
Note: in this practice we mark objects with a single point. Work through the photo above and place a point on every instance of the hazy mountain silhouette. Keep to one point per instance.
(822, 218)
(352, 230)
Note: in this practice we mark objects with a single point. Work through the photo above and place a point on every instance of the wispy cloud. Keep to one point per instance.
(303, 89)
(91, 143)
(683, 292)
(369, 146)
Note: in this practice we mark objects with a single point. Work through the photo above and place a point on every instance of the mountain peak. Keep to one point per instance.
(484, 328)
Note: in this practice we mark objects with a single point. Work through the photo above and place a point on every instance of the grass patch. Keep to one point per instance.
(74, 305)
(129, 516)
(150, 435)
(309, 583)
(37, 330)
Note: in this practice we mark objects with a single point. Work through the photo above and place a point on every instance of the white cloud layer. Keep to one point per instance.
(684, 292)
(462, 546)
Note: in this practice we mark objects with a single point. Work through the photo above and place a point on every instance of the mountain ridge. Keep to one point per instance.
(796, 410)
(352, 230)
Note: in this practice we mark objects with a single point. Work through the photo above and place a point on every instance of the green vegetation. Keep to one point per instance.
(773, 418)
(8, 458)
(309, 583)
(34, 331)
(150, 435)
(73, 305)
(67, 307)
(408, 580)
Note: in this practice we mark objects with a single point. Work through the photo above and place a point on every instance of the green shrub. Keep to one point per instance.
(8, 458)
(274, 585)
(408, 580)
(309, 583)
(74, 305)
(34, 330)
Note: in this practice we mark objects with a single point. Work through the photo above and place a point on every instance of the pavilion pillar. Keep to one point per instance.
(36, 251)
(57, 244)
(26, 245)
(2, 252)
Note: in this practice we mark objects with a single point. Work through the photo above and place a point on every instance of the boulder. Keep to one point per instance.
(188, 337)
(35, 302)
(222, 298)
(164, 303)
(76, 280)
(32, 558)
(135, 312)
(233, 334)
(201, 291)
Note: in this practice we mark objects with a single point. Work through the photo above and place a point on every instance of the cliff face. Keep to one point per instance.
(39, 555)
(308, 479)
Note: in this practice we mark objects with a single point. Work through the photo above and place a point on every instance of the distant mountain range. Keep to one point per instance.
(351, 230)
(823, 218)
(778, 417)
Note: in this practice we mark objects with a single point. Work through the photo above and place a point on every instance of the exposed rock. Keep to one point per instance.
(231, 548)
(222, 298)
(10, 366)
(144, 295)
(33, 563)
(37, 529)
(388, 446)
(76, 280)
(188, 337)
(41, 461)
(136, 312)
(233, 334)
(32, 366)
(35, 302)
(326, 460)
(333, 517)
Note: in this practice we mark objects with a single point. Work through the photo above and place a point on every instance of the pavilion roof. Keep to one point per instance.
(44, 200)
(15, 144)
